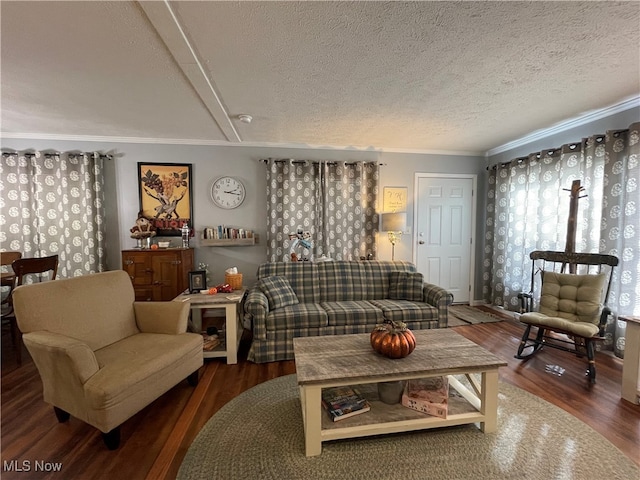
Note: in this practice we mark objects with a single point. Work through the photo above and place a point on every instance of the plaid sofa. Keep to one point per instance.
(301, 299)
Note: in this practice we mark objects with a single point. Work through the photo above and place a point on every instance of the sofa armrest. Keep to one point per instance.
(60, 358)
(256, 307)
(162, 317)
(439, 298)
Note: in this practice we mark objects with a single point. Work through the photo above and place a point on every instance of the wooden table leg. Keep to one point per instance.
(631, 362)
(231, 315)
(196, 319)
(311, 413)
(489, 401)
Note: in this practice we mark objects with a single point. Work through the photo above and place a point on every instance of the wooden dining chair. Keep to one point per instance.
(7, 281)
(44, 268)
(8, 277)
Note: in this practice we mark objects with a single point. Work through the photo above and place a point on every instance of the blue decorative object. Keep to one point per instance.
(301, 239)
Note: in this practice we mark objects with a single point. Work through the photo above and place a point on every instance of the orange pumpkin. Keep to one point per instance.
(393, 339)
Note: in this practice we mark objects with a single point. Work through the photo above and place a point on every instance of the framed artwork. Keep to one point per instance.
(197, 281)
(166, 196)
(394, 199)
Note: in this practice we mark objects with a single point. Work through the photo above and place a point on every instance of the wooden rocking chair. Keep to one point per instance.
(572, 302)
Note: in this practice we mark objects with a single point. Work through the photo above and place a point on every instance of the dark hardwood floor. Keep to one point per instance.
(156, 439)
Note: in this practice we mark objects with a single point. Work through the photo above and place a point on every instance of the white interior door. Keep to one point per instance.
(444, 225)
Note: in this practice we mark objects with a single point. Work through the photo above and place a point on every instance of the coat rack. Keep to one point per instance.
(572, 222)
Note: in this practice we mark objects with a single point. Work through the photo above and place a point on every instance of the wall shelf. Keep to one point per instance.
(229, 242)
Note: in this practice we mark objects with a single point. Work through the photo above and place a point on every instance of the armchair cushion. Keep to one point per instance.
(162, 317)
(406, 286)
(278, 292)
(135, 365)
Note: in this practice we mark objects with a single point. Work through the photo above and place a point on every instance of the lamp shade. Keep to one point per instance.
(393, 222)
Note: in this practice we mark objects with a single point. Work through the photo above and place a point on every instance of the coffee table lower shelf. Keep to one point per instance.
(465, 407)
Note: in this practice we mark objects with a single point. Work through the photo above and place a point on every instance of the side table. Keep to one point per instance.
(631, 362)
(231, 303)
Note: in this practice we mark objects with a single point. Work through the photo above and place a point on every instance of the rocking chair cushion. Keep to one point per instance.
(572, 298)
(580, 329)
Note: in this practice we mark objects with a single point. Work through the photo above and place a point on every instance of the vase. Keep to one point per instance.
(391, 392)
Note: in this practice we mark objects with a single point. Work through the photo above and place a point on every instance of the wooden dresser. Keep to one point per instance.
(158, 275)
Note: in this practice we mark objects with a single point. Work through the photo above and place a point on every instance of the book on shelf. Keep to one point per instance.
(428, 395)
(209, 342)
(344, 402)
(222, 232)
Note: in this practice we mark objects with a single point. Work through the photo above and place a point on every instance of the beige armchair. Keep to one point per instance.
(103, 357)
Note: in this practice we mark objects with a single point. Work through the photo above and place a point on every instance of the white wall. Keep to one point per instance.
(210, 162)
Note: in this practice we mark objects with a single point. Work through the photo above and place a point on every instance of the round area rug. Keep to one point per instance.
(259, 435)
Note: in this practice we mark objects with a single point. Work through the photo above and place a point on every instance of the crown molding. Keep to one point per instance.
(633, 102)
(223, 143)
(592, 116)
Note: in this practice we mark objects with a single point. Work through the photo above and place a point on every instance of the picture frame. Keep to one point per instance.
(197, 281)
(166, 196)
(394, 199)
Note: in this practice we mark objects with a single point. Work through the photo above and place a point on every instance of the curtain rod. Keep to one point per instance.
(599, 138)
(71, 154)
(304, 162)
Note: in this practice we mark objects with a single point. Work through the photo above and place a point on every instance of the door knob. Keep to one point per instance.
(421, 242)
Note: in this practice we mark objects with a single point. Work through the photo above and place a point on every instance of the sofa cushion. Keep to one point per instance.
(406, 286)
(352, 313)
(300, 316)
(414, 314)
(278, 292)
(377, 273)
(303, 277)
(341, 280)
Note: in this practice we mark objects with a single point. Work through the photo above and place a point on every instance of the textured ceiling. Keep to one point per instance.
(424, 76)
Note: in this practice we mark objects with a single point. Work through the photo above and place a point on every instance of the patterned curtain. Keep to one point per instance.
(333, 201)
(528, 208)
(54, 204)
(620, 233)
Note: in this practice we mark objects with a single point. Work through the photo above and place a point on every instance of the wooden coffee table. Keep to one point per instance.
(336, 360)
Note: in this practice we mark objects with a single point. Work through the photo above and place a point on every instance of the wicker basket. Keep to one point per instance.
(233, 279)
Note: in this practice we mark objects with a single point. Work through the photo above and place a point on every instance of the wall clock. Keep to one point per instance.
(227, 192)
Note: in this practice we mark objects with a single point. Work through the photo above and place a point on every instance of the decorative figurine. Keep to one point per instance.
(143, 230)
(301, 239)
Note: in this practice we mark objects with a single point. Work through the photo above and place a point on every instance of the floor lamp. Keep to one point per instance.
(393, 224)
